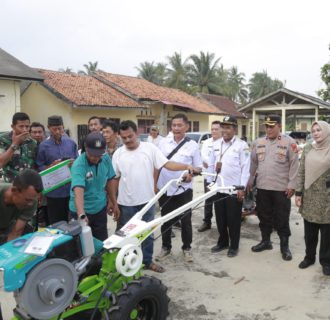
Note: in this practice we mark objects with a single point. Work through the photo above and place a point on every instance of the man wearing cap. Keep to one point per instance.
(17, 150)
(274, 165)
(57, 148)
(94, 125)
(208, 146)
(92, 175)
(231, 160)
(154, 136)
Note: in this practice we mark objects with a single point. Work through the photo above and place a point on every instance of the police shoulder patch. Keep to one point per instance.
(294, 147)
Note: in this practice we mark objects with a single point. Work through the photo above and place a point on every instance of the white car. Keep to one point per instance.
(199, 137)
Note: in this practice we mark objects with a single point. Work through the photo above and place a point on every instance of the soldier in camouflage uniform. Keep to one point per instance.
(274, 164)
(17, 149)
(313, 194)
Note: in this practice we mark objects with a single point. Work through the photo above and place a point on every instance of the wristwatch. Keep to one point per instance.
(14, 147)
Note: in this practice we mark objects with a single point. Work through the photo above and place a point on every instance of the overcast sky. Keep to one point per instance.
(288, 38)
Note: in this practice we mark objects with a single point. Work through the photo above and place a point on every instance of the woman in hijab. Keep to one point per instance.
(313, 196)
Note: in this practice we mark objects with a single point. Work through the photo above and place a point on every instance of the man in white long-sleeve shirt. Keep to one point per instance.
(208, 146)
(232, 160)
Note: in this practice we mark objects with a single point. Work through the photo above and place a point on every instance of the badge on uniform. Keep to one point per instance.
(89, 176)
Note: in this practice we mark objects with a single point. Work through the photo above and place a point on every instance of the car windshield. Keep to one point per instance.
(194, 136)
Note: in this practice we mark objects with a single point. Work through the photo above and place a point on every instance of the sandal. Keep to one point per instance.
(155, 267)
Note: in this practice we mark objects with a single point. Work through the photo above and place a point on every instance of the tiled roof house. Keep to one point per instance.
(78, 97)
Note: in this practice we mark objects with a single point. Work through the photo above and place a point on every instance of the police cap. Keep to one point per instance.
(272, 119)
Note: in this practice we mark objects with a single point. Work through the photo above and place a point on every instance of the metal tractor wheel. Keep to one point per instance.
(142, 299)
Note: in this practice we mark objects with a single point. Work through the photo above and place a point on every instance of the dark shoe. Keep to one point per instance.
(218, 248)
(232, 253)
(326, 270)
(204, 227)
(305, 263)
(263, 245)
(286, 253)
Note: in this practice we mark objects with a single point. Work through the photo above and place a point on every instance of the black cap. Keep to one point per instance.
(55, 121)
(231, 120)
(272, 119)
(95, 144)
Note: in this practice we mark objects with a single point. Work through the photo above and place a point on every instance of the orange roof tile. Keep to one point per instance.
(86, 90)
(144, 90)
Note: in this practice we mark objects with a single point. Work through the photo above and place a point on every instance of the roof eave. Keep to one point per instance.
(10, 77)
(75, 106)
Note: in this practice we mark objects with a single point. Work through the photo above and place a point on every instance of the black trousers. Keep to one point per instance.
(228, 213)
(97, 222)
(169, 204)
(311, 239)
(57, 209)
(208, 208)
(273, 208)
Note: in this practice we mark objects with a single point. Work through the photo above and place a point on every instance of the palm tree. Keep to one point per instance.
(176, 72)
(237, 90)
(66, 70)
(161, 70)
(90, 68)
(202, 73)
(261, 84)
(151, 72)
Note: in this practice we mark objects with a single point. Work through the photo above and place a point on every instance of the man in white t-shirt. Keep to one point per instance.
(154, 136)
(134, 164)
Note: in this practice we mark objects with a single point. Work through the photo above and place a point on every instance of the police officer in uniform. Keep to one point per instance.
(274, 164)
(232, 160)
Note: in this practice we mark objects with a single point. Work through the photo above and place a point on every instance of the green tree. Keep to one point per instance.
(261, 84)
(202, 73)
(176, 72)
(151, 72)
(236, 87)
(89, 68)
(66, 70)
(324, 94)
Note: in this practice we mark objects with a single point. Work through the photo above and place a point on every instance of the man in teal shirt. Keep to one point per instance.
(92, 178)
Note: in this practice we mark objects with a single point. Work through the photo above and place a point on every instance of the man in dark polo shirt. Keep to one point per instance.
(57, 148)
(18, 203)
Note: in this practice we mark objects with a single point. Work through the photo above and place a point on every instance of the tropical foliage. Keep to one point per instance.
(261, 84)
(204, 73)
(89, 68)
(325, 76)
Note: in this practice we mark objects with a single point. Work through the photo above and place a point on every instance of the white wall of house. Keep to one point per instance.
(9, 102)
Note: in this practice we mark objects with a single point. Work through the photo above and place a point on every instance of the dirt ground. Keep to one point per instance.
(251, 286)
